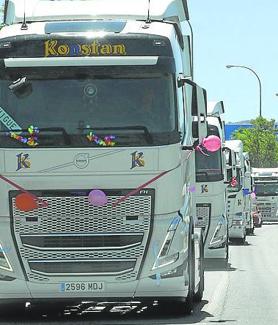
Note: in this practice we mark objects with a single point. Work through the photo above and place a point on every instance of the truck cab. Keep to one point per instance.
(247, 191)
(235, 201)
(97, 109)
(210, 197)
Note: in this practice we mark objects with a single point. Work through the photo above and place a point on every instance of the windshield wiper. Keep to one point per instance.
(49, 129)
(58, 129)
(202, 173)
(147, 133)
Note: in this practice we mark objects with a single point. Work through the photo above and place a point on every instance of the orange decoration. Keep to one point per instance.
(25, 202)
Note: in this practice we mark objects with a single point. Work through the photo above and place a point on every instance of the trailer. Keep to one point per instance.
(266, 188)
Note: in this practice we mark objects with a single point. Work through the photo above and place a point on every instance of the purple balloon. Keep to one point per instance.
(253, 195)
(191, 189)
(97, 198)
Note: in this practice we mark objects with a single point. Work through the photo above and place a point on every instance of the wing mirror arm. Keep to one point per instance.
(191, 148)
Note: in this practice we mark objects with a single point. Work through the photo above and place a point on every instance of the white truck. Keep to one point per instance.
(235, 199)
(97, 108)
(247, 191)
(210, 196)
(266, 188)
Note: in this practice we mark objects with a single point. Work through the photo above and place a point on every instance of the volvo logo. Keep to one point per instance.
(81, 160)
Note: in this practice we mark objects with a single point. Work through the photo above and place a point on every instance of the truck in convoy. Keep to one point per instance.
(235, 201)
(210, 196)
(97, 108)
(265, 182)
(247, 191)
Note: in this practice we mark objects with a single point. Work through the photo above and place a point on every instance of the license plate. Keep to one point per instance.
(82, 286)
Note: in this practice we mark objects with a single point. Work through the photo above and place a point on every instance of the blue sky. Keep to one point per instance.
(241, 32)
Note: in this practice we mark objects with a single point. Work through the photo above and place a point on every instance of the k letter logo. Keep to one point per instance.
(23, 161)
(204, 189)
(137, 159)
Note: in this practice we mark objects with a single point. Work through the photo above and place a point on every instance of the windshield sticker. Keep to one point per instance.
(53, 49)
(31, 141)
(106, 142)
(137, 159)
(8, 121)
(90, 90)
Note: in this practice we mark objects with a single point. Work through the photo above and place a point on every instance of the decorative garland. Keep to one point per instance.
(31, 141)
(106, 142)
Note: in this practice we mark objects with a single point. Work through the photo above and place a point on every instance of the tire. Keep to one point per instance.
(15, 309)
(198, 296)
(242, 240)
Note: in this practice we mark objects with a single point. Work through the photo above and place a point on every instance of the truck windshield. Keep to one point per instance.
(266, 189)
(78, 101)
(209, 168)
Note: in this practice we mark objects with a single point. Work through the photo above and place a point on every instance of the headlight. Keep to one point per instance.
(163, 259)
(166, 260)
(220, 233)
(217, 237)
(4, 262)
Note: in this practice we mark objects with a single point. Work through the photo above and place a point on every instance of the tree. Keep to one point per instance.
(261, 142)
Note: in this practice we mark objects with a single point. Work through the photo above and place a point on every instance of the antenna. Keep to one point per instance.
(24, 25)
(148, 20)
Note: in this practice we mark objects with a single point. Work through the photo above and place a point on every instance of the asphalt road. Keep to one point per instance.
(244, 293)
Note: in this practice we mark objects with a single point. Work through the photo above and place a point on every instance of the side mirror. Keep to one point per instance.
(197, 101)
(21, 87)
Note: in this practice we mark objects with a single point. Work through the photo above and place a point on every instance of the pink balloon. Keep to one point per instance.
(212, 143)
(97, 198)
(253, 195)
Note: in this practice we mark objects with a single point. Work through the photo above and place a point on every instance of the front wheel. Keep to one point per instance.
(243, 240)
(12, 309)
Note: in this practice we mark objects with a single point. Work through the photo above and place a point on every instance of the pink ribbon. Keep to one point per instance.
(43, 203)
(139, 188)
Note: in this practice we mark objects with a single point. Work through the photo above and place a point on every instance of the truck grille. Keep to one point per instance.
(81, 267)
(268, 211)
(55, 242)
(71, 237)
(203, 214)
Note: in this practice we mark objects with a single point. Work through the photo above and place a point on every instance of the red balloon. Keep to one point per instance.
(25, 202)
